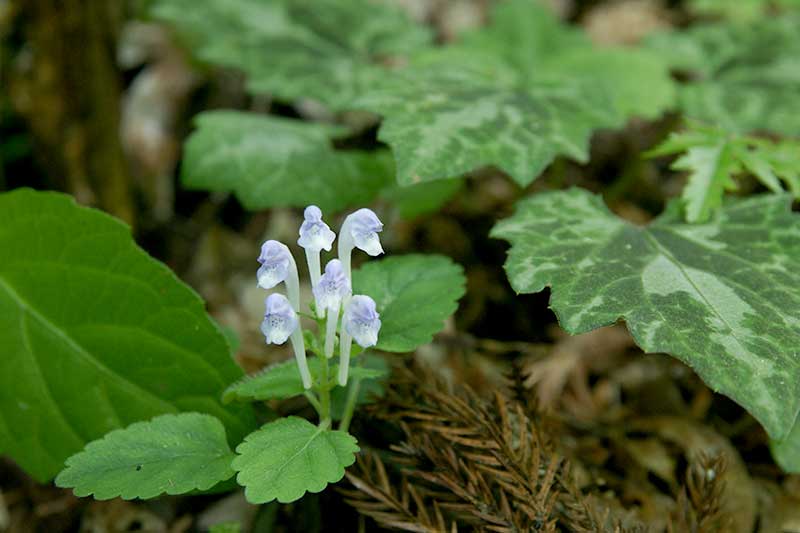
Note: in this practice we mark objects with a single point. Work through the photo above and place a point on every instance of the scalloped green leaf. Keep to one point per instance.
(741, 77)
(289, 457)
(721, 296)
(514, 95)
(170, 454)
(296, 48)
(96, 334)
(414, 295)
(271, 161)
(282, 380)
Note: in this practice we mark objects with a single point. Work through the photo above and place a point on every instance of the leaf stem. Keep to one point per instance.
(314, 402)
(350, 404)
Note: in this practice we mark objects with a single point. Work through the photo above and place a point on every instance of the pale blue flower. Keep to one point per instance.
(333, 286)
(364, 228)
(280, 320)
(362, 321)
(281, 323)
(359, 230)
(275, 262)
(277, 265)
(315, 235)
(332, 289)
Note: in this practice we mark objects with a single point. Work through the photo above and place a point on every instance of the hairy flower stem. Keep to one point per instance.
(350, 404)
(312, 399)
(324, 393)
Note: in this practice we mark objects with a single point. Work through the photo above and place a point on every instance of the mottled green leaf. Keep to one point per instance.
(282, 380)
(515, 95)
(720, 296)
(270, 161)
(714, 156)
(96, 334)
(170, 454)
(414, 295)
(741, 77)
(289, 457)
(415, 200)
(322, 49)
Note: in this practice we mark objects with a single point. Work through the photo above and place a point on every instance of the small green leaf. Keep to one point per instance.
(96, 334)
(270, 161)
(740, 77)
(714, 156)
(170, 454)
(322, 49)
(289, 457)
(282, 380)
(414, 295)
(721, 296)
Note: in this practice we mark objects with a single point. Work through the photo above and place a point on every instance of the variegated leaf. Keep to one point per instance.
(722, 297)
(741, 77)
(322, 49)
(515, 95)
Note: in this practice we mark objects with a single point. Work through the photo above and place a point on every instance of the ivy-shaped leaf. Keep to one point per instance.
(289, 457)
(720, 296)
(282, 380)
(170, 454)
(514, 95)
(270, 161)
(714, 156)
(414, 295)
(96, 334)
(741, 77)
(297, 48)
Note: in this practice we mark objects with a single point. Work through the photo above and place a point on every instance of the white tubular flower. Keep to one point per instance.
(315, 236)
(361, 323)
(280, 320)
(332, 288)
(277, 265)
(280, 323)
(359, 230)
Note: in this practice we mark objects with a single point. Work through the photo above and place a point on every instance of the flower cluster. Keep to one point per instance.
(332, 289)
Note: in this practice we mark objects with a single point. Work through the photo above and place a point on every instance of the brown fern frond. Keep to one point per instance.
(400, 507)
(699, 504)
(481, 464)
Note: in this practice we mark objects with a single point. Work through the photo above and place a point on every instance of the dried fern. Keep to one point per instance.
(468, 463)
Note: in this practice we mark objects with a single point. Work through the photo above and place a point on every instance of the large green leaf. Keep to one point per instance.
(270, 161)
(740, 77)
(720, 296)
(289, 457)
(170, 454)
(414, 295)
(96, 334)
(514, 95)
(323, 49)
(714, 156)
